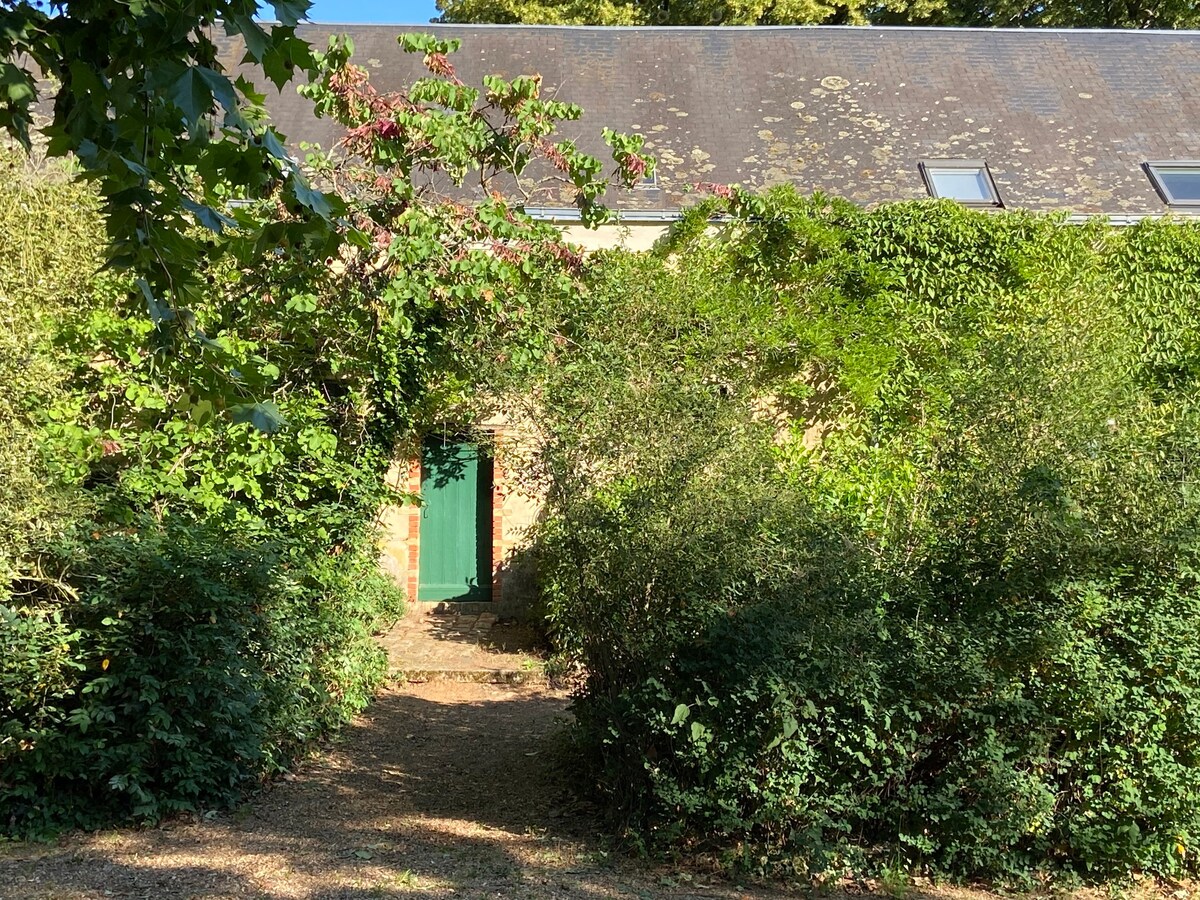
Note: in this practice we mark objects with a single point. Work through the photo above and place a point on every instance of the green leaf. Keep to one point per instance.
(682, 711)
(308, 196)
(135, 167)
(257, 40)
(264, 416)
(202, 412)
(159, 312)
(271, 140)
(247, 89)
(17, 83)
(220, 87)
(304, 303)
(191, 94)
(207, 216)
(286, 54)
(291, 12)
(278, 67)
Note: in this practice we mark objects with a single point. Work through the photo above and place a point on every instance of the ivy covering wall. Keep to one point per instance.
(875, 536)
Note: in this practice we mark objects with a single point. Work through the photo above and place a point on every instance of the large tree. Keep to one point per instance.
(1003, 13)
(134, 91)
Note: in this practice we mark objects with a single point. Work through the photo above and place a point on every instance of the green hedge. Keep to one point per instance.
(173, 671)
(876, 535)
(51, 248)
(187, 603)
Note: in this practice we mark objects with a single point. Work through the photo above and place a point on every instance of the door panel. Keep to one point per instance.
(456, 536)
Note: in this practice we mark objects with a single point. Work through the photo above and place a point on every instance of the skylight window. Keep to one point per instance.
(966, 180)
(1178, 183)
(649, 182)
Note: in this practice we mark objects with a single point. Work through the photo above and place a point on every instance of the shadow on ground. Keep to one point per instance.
(440, 790)
(460, 646)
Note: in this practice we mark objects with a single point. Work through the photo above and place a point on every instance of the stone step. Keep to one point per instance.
(457, 646)
(455, 608)
(472, 676)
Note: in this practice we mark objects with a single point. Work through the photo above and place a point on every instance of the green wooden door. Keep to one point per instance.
(456, 523)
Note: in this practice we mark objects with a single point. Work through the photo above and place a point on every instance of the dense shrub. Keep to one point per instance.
(49, 240)
(173, 670)
(876, 536)
(188, 602)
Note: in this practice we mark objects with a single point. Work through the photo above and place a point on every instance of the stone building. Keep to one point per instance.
(1086, 122)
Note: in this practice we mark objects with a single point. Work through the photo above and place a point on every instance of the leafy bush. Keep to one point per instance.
(170, 670)
(49, 240)
(197, 605)
(876, 536)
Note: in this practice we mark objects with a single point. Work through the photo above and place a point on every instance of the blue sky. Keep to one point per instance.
(378, 12)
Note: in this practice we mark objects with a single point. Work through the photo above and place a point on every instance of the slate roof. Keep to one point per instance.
(1063, 118)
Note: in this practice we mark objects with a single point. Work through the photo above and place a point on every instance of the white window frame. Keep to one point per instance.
(978, 165)
(1152, 167)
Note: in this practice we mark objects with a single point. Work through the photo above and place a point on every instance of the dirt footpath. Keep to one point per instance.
(439, 790)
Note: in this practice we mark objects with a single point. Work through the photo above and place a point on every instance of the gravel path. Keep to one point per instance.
(439, 790)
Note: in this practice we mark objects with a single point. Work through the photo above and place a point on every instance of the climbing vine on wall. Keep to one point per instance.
(875, 534)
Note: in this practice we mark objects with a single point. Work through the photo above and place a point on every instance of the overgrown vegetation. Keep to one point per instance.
(875, 533)
(197, 605)
(205, 608)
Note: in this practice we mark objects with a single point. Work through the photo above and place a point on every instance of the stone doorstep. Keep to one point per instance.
(450, 607)
(474, 675)
(445, 642)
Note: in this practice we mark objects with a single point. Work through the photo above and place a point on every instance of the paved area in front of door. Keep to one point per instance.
(451, 645)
